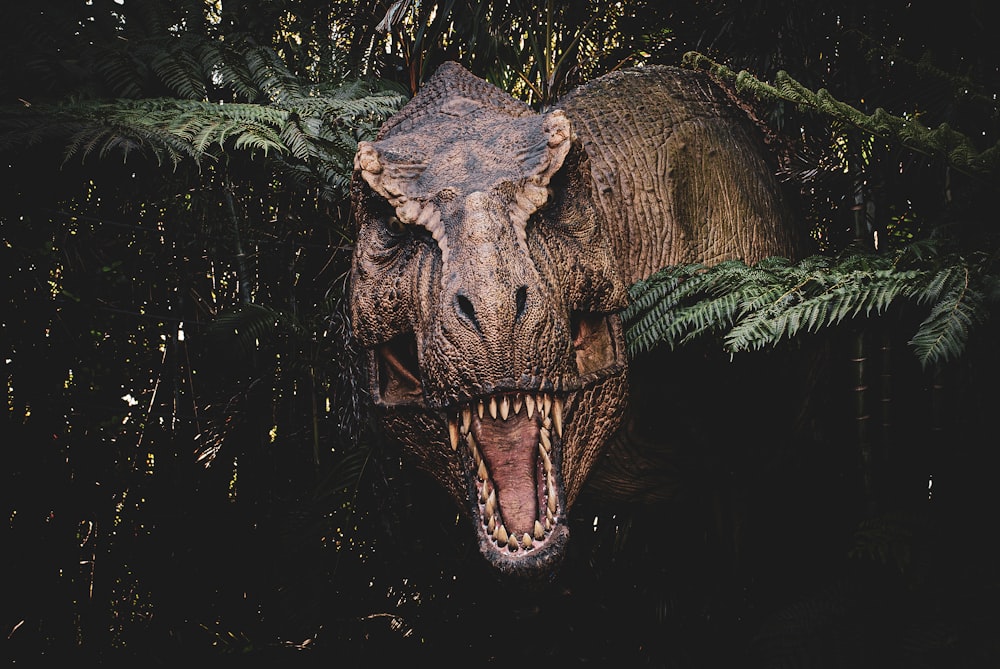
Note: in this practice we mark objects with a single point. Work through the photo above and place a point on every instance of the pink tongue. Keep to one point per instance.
(511, 451)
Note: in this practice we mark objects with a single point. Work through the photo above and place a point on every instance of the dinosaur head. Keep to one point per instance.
(485, 293)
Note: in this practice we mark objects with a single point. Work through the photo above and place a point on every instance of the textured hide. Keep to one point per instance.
(494, 249)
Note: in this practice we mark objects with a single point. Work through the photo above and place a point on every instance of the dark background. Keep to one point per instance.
(185, 482)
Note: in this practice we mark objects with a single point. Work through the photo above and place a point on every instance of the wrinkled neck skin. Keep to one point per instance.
(485, 293)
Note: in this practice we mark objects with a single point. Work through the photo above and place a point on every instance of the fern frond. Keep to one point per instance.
(951, 146)
(345, 475)
(250, 325)
(271, 76)
(947, 327)
(297, 140)
(119, 71)
(313, 137)
(247, 325)
(175, 61)
(759, 306)
(653, 289)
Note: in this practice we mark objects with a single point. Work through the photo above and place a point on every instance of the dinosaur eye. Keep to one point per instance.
(395, 226)
(400, 232)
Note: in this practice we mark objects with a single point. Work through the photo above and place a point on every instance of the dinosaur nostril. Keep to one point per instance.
(467, 310)
(520, 301)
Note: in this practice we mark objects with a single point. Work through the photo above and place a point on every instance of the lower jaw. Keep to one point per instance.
(539, 564)
(429, 444)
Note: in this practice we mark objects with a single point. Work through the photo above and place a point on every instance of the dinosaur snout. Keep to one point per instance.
(472, 308)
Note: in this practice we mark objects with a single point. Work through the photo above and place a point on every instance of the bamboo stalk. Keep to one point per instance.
(241, 265)
(862, 416)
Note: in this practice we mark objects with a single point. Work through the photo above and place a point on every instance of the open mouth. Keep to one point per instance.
(509, 442)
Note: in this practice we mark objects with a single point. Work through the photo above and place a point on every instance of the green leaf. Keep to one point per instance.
(753, 307)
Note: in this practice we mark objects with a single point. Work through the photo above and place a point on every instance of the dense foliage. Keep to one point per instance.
(188, 468)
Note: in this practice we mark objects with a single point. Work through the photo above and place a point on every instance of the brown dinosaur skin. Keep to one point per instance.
(494, 248)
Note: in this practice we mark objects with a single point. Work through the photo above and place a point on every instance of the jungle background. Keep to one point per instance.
(190, 472)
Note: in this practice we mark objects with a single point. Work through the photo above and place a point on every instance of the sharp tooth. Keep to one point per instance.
(474, 449)
(529, 402)
(547, 404)
(526, 540)
(501, 534)
(481, 472)
(479, 408)
(453, 433)
(491, 503)
(504, 407)
(550, 520)
(493, 407)
(552, 501)
(491, 526)
(546, 460)
(547, 423)
(518, 400)
(512, 544)
(544, 439)
(539, 531)
(557, 407)
(466, 419)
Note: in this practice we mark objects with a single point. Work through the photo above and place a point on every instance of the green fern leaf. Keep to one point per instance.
(943, 334)
(759, 306)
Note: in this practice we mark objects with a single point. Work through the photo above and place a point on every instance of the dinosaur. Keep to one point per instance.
(494, 249)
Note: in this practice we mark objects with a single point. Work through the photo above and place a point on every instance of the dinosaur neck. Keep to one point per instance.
(641, 159)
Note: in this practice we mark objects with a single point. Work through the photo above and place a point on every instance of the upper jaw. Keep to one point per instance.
(397, 380)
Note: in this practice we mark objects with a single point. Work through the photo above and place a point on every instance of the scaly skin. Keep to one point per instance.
(494, 249)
